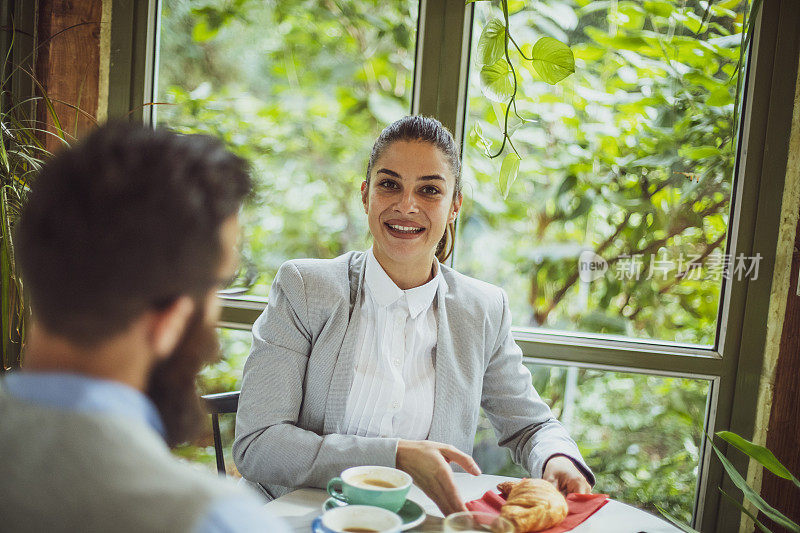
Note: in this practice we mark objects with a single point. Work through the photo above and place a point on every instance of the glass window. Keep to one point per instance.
(226, 374)
(631, 158)
(302, 89)
(223, 376)
(639, 433)
(629, 162)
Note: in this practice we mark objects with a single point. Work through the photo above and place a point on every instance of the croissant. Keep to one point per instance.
(505, 487)
(532, 505)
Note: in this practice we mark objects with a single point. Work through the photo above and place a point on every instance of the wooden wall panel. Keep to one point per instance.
(68, 64)
(783, 435)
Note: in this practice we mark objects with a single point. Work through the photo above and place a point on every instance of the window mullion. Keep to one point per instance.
(617, 359)
(443, 62)
(764, 156)
(132, 59)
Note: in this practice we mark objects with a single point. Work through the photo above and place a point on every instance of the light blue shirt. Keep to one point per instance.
(84, 394)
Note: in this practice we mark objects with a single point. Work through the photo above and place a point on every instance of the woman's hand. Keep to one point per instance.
(428, 463)
(562, 472)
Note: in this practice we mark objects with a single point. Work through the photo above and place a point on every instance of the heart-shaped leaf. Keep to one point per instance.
(486, 143)
(552, 60)
(508, 173)
(492, 44)
(497, 81)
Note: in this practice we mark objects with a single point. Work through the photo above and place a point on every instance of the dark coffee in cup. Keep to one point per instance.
(372, 481)
(380, 486)
(361, 519)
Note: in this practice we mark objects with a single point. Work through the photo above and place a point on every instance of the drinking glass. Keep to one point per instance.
(476, 522)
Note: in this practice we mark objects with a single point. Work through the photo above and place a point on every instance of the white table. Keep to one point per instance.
(300, 507)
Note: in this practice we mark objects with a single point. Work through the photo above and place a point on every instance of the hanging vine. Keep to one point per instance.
(551, 59)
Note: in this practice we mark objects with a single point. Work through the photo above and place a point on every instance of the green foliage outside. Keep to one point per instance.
(638, 433)
(302, 89)
(632, 154)
(224, 376)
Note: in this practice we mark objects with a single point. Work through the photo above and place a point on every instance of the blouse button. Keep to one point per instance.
(396, 362)
(396, 405)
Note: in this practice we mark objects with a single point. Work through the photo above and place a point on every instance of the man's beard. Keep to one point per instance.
(172, 386)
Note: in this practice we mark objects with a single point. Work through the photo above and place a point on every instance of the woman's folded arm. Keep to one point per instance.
(269, 446)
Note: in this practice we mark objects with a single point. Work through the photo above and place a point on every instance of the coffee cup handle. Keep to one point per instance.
(334, 491)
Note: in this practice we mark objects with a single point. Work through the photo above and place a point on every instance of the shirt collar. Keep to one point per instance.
(385, 292)
(82, 393)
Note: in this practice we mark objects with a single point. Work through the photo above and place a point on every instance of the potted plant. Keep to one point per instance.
(22, 153)
(767, 460)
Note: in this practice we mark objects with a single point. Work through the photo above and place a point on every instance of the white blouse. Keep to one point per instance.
(393, 385)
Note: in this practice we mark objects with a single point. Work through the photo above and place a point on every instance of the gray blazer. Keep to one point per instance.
(297, 379)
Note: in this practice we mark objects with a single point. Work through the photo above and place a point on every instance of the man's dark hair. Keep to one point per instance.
(125, 221)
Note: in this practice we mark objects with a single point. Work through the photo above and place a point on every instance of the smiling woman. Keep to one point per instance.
(386, 357)
(410, 200)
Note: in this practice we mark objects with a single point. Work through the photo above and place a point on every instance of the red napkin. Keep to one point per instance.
(581, 507)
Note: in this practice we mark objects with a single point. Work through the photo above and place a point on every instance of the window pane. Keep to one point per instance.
(640, 434)
(226, 374)
(630, 158)
(222, 376)
(302, 89)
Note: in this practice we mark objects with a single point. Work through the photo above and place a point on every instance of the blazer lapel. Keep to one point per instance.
(444, 365)
(344, 369)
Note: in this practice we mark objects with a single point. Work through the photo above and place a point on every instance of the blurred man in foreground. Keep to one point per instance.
(122, 245)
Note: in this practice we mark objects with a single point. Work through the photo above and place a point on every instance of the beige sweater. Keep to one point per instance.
(66, 471)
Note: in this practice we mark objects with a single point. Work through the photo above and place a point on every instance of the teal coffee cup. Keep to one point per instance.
(379, 486)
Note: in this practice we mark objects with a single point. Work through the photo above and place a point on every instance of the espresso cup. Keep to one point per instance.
(379, 486)
(360, 519)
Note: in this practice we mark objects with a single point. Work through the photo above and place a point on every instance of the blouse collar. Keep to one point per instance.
(385, 292)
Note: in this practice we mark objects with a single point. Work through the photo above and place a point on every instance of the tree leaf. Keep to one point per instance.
(659, 8)
(660, 160)
(567, 184)
(552, 60)
(761, 454)
(719, 97)
(698, 152)
(754, 497)
(508, 173)
(203, 32)
(492, 44)
(497, 81)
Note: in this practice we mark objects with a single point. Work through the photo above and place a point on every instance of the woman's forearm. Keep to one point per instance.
(284, 454)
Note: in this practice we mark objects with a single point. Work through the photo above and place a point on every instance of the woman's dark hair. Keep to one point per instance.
(125, 221)
(430, 130)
